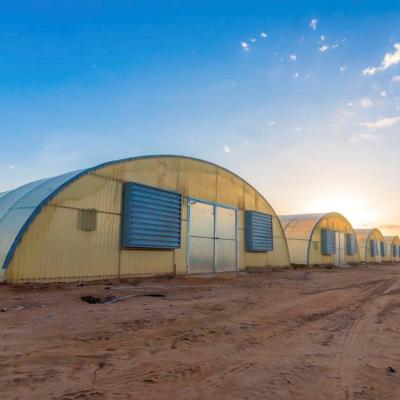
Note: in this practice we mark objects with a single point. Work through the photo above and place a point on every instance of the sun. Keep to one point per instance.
(353, 207)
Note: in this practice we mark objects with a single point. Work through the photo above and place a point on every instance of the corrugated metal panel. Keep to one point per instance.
(159, 171)
(151, 218)
(351, 244)
(91, 191)
(56, 250)
(197, 179)
(328, 239)
(230, 189)
(259, 232)
(146, 262)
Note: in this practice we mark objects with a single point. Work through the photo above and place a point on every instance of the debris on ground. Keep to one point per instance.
(98, 300)
(390, 370)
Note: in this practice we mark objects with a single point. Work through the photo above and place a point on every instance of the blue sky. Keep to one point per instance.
(309, 112)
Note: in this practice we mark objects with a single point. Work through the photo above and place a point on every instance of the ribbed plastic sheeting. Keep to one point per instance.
(351, 244)
(151, 218)
(259, 233)
(328, 239)
(19, 206)
(3, 194)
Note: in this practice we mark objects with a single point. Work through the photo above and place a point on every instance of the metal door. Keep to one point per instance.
(378, 257)
(201, 237)
(340, 248)
(212, 237)
(225, 239)
(337, 252)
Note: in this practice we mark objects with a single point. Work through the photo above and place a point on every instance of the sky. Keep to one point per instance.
(301, 99)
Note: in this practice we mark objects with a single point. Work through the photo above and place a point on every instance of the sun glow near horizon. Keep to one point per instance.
(350, 205)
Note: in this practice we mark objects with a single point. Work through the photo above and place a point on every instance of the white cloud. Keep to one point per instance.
(343, 68)
(252, 40)
(272, 123)
(369, 71)
(363, 137)
(322, 37)
(298, 129)
(245, 141)
(382, 123)
(313, 24)
(383, 93)
(366, 102)
(293, 57)
(227, 149)
(11, 166)
(396, 79)
(388, 61)
(326, 47)
(245, 46)
(391, 59)
(263, 35)
(296, 75)
(349, 104)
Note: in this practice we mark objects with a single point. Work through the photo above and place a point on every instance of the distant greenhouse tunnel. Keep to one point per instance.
(373, 248)
(137, 216)
(320, 239)
(393, 249)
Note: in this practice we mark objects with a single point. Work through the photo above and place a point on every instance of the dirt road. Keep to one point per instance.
(293, 334)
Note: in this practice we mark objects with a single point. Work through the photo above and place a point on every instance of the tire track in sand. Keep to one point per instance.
(350, 331)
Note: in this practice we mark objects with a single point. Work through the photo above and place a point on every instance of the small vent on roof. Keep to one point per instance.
(87, 220)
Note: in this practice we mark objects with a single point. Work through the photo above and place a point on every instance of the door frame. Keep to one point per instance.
(188, 235)
(340, 255)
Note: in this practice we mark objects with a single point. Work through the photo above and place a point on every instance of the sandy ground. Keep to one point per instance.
(293, 334)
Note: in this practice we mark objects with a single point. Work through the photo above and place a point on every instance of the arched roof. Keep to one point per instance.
(364, 234)
(303, 225)
(310, 219)
(391, 239)
(19, 207)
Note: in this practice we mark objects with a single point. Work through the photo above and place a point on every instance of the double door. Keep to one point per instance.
(340, 255)
(212, 237)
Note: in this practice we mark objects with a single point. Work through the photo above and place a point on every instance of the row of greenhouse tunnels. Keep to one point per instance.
(163, 215)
